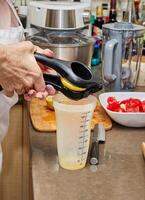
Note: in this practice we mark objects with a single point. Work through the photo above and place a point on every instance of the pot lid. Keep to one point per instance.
(60, 5)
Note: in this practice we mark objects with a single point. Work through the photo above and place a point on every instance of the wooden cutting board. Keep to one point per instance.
(43, 119)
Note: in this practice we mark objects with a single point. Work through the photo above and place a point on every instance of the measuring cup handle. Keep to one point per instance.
(108, 60)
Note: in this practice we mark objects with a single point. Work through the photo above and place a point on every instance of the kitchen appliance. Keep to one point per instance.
(59, 15)
(61, 27)
(73, 75)
(122, 51)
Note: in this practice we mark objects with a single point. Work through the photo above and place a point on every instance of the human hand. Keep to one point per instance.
(46, 69)
(19, 70)
(49, 90)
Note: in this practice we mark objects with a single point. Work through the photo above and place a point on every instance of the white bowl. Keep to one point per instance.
(133, 119)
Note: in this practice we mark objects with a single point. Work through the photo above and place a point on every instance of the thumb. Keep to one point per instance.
(8, 93)
(39, 84)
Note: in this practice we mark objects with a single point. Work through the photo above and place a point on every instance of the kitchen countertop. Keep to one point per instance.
(119, 176)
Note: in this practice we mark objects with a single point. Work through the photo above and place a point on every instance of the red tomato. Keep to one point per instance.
(119, 110)
(126, 105)
(124, 101)
(133, 105)
(111, 100)
(113, 104)
(143, 106)
(132, 109)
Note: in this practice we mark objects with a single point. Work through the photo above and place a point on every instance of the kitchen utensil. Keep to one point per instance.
(70, 73)
(133, 119)
(73, 122)
(98, 136)
(122, 42)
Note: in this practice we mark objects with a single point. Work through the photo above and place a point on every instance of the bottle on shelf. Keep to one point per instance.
(136, 6)
(92, 23)
(99, 21)
(96, 58)
(105, 12)
(113, 12)
(143, 14)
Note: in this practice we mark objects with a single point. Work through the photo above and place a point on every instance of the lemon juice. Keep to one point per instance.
(68, 163)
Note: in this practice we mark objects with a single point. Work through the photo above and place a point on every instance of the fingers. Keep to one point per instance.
(39, 84)
(33, 93)
(46, 52)
(50, 89)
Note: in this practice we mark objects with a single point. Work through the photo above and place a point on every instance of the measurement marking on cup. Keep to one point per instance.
(87, 120)
(84, 141)
(84, 137)
(82, 126)
(80, 161)
(82, 153)
(84, 131)
(80, 148)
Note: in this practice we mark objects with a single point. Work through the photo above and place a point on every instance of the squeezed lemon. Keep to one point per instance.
(49, 100)
(70, 86)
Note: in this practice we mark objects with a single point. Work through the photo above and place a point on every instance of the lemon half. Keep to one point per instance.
(70, 86)
(49, 101)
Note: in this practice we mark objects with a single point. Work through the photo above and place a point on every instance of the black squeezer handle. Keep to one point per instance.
(75, 72)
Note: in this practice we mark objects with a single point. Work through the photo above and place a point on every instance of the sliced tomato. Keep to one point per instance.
(111, 100)
(113, 104)
(119, 110)
(132, 109)
(126, 105)
(133, 105)
(143, 105)
(124, 101)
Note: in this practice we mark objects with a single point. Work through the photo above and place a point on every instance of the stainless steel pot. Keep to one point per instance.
(67, 45)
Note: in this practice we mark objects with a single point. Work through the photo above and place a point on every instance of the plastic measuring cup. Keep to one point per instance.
(73, 120)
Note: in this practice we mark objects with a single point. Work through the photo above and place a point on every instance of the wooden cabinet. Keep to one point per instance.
(15, 180)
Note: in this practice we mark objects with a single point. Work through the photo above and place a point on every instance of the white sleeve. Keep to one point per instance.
(5, 105)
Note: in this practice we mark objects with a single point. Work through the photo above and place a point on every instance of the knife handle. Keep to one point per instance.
(94, 153)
